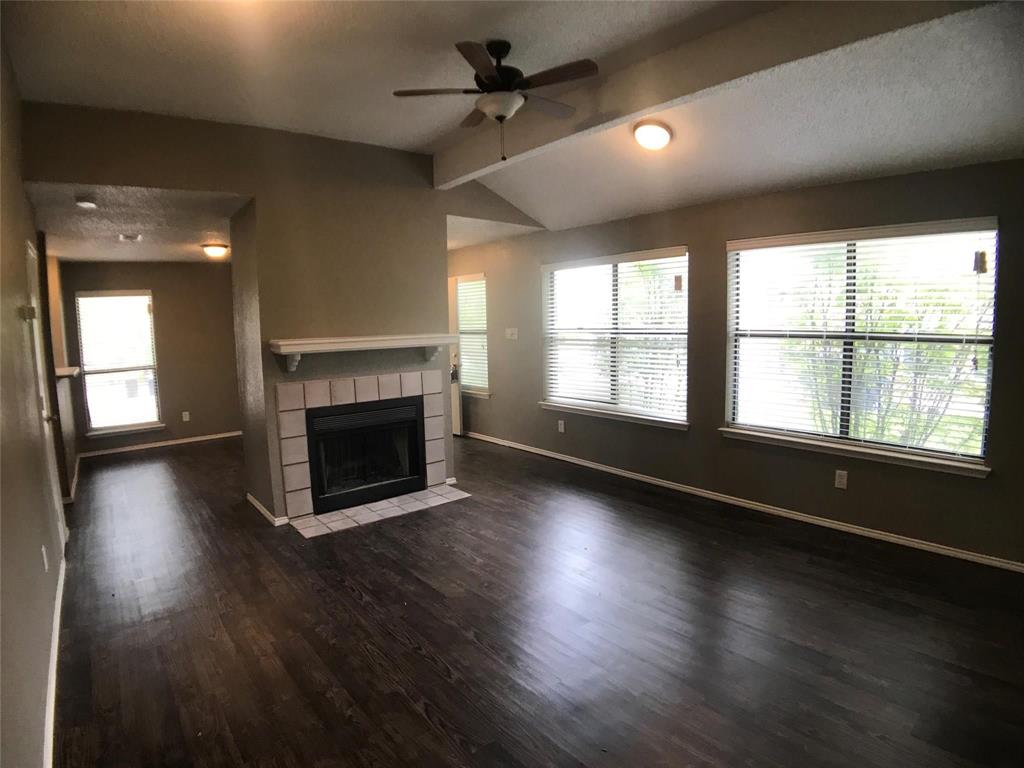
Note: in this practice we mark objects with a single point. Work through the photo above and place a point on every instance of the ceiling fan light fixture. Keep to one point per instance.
(652, 134)
(215, 250)
(500, 105)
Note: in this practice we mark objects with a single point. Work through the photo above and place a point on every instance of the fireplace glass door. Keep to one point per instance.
(365, 452)
(364, 457)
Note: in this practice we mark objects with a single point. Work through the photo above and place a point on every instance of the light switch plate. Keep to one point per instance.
(841, 479)
(186, 416)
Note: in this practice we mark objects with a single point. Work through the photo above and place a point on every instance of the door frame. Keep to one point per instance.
(46, 379)
(453, 355)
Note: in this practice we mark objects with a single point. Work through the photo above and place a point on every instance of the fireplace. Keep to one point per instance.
(364, 452)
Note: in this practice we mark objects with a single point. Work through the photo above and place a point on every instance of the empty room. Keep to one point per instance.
(584, 383)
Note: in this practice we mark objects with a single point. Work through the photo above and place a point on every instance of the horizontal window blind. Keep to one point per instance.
(615, 335)
(879, 339)
(118, 358)
(472, 312)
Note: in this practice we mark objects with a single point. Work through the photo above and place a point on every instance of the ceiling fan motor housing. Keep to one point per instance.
(500, 105)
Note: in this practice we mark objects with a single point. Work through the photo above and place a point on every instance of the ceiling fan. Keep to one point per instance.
(503, 89)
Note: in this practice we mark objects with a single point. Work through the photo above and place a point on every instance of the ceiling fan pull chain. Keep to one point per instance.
(501, 138)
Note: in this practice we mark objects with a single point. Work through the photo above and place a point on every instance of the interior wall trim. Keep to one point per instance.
(871, 533)
(264, 511)
(162, 443)
(70, 498)
(51, 679)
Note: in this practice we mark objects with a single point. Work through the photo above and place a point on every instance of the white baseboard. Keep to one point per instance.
(161, 444)
(264, 511)
(871, 533)
(51, 680)
(70, 498)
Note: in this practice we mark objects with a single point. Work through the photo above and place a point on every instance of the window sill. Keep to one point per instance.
(603, 413)
(125, 430)
(935, 463)
(483, 394)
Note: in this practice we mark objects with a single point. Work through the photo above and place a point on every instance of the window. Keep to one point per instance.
(615, 334)
(880, 336)
(471, 296)
(118, 358)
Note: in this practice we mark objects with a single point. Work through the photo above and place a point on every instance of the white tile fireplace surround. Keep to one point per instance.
(294, 398)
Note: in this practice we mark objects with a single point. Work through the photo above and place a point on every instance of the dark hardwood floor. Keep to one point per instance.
(559, 617)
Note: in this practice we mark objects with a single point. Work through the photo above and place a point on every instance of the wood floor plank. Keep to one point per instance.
(557, 617)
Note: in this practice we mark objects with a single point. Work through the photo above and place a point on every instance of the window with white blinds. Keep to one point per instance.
(471, 296)
(615, 334)
(118, 358)
(880, 336)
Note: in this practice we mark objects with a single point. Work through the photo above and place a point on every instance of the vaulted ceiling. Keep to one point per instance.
(325, 68)
(945, 93)
(760, 96)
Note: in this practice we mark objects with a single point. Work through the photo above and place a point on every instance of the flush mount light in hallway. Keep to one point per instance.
(86, 202)
(215, 250)
(650, 134)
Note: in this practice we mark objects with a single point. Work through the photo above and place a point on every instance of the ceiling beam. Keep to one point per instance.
(761, 42)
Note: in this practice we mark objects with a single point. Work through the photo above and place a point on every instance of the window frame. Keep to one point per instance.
(476, 391)
(611, 410)
(143, 426)
(843, 444)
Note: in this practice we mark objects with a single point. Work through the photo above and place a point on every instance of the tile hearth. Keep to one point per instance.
(317, 525)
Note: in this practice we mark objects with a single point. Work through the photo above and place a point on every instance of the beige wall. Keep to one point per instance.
(195, 347)
(348, 239)
(28, 517)
(248, 353)
(60, 349)
(978, 515)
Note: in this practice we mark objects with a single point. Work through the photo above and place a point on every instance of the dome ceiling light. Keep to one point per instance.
(215, 250)
(652, 135)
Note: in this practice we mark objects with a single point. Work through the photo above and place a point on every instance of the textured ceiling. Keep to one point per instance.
(463, 231)
(325, 68)
(173, 224)
(944, 93)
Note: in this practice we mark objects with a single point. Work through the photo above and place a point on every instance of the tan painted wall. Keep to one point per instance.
(978, 515)
(60, 350)
(248, 353)
(349, 239)
(195, 346)
(28, 519)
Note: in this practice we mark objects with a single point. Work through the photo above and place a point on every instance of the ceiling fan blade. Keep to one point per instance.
(549, 106)
(473, 118)
(434, 91)
(574, 70)
(479, 59)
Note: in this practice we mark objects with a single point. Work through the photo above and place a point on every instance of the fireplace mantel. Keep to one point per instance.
(293, 349)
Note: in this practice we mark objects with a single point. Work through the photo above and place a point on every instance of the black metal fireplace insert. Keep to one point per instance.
(365, 452)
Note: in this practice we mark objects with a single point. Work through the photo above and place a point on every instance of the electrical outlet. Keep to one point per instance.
(186, 416)
(841, 479)
(561, 425)
(46, 560)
